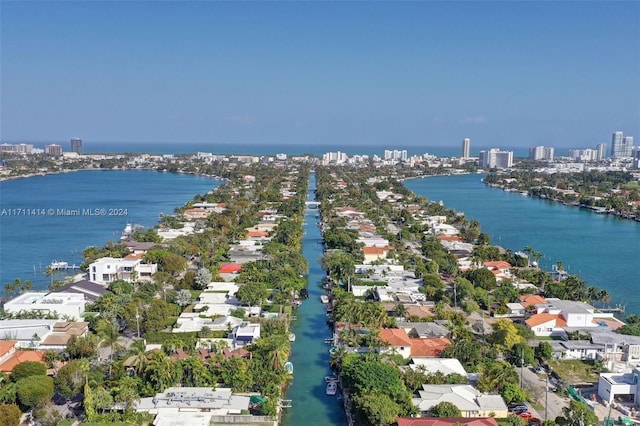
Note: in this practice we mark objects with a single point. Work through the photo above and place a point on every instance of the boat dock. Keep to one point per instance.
(62, 266)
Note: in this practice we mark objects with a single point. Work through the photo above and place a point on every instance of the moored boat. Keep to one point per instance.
(324, 298)
(332, 388)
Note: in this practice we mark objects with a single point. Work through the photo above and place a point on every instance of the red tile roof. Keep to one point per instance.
(6, 345)
(431, 347)
(395, 337)
(433, 421)
(20, 357)
(375, 250)
(545, 317)
(500, 264)
(532, 299)
(230, 268)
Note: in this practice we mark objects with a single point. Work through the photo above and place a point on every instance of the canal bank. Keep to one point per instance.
(601, 249)
(309, 353)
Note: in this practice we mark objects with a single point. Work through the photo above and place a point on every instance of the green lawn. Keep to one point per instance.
(575, 371)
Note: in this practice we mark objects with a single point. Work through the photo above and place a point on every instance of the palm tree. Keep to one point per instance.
(108, 331)
(161, 371)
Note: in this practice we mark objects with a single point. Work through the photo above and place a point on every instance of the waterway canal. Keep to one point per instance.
(309, 354)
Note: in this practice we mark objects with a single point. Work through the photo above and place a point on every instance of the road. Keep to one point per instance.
(535, 385)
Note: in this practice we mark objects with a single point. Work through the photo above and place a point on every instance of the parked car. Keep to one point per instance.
(518, 407)
(534, 421)
(540, 369)
(525, 415)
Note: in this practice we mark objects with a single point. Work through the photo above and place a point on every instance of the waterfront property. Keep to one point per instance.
(470, 401)
(108, 269)
(62, 305)
(177, 404)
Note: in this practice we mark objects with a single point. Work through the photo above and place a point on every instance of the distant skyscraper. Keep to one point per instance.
(466, 147)
(616, 144)
(602, 151)
(636, 158)
(76, 145)
(53, 150)
(495, 159)
(541, 153)
(627, 146)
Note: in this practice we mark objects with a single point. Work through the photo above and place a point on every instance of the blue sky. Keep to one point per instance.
(563, 74)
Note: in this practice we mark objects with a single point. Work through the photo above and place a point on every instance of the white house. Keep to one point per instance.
(445, 366)
(612, 384)
(175, 401)
(444, 229)
(108, 269)
(62, 305)
(470, 401)
(245, 334)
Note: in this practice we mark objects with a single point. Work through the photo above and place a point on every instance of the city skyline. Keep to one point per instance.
(352, 73)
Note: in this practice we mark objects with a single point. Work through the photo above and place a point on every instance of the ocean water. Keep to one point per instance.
(34, 231)
(603, 250)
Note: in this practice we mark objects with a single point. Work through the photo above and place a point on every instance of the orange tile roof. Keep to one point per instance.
(395, 336)
(449, 238)
(545, 317)
(6, 345)
(20, 357)
(257, 234)
(375, 250)
(429, 347)
(448, 421)
(532, 299)
(134, 256)
(501, 264)
(230, 268)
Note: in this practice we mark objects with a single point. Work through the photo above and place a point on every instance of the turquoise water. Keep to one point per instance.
(603, 250)
(309, 355)
(28, 243)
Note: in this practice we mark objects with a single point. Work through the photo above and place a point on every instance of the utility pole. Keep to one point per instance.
(546, 395)
(521, 364)
(138, 321)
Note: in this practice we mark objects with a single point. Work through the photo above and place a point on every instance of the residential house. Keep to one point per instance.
(446, 421)
(444, 229)
(108, 269)
(196, 214)
(373, 254)
(62, 305)
(90, 290)
(470, 401)
(625, 384)
(445, 366)
(179, 401)
(44, 334)
(398, 341)
(10, 356)
(245, 334)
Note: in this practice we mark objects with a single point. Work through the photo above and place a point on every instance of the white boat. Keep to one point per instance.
(332, 388)
(292, 337)
(288, 366)
(331, 378)
(324, 298)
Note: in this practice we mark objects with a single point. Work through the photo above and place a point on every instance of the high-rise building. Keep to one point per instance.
(616, 144)
(466, 148)
(496, 159)
(395, 154)
(76, 145)
(53, 150)
(627, 146)
(636, 158)
(602, 151)
(541, 153)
